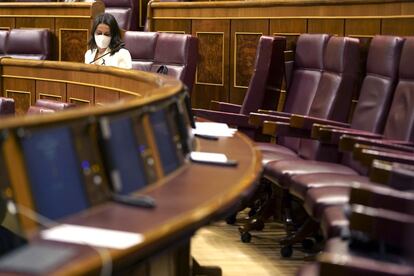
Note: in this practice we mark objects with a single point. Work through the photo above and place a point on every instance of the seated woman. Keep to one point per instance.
(105, 44)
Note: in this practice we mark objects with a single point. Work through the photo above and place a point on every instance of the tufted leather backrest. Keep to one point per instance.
(266, 81)
(179, 52)
(334, 92)
(141, 45)
(400, 120)
(378, 85)
(7, 106)
(304, 80)
(28, 43)
(125, 13)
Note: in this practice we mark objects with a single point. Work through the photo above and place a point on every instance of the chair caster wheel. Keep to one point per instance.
(252, 212)
(246, 237)
(259, 225)
(286, 251)
(231, 219)
(308, 244)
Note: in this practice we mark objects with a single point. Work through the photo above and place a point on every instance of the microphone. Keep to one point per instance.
(114, 50)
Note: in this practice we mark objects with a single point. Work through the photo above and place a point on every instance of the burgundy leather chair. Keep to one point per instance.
(263, 91)
(125, 13)
(3, 38)
(7, 106)
(54, 105)
(28, 44)
(141, 45)
(179, 52)
(331, 99)
(39, 110)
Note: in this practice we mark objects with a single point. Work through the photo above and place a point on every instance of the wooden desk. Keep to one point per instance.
(229, 31)
(69, 23)
(189, 197)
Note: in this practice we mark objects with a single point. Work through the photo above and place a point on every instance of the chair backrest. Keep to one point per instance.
(333, 96)
(3, 39)
(179, 52)
(141, 45)
(400, 120)
(7, 106)
(266, 81)
(379, 83)
(39, 110)
(305, 77)
(29, 43)
(125, 13)
(54, 105)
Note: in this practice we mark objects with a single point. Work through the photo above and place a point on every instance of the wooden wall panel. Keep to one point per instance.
(291, 28)
(401, 26)
(20, 90)
(103, 96)
(360, 27)
(177, 26)
(51, 90)
(212, 76)
(80, 94)
(245, 36)
(7, 23)
(330, 26)
(71, 35)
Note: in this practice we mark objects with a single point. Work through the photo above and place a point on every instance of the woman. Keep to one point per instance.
(105, 44)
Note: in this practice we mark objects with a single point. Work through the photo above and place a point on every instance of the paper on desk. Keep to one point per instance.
(214, 129)
(92, 236)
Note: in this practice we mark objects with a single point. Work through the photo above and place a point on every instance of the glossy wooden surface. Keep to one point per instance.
(239, 22)
(69, 24)
(186, 199)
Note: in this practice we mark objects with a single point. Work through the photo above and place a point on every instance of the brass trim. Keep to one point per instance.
(19, 92)
(235, 59)
(60, 38)
(74, 82)
(79, 100)
(286, 17)
(44, 16)
(174, 32)
(222, 62)
(356, 36)
(50, 95)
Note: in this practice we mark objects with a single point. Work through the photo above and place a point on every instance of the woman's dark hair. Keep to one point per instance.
(107, 19)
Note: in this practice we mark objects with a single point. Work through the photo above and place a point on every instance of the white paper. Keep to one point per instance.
(208, 156)
(92, 236)
(213, 129)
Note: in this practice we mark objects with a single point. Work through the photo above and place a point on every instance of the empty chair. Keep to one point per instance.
(125, 13)
(7, 106)
(264, 87)
(179, 52)
(54, 105)
(29, 44)
(141, 45)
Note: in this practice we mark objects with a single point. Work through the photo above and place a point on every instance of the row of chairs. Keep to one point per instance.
(316, 85)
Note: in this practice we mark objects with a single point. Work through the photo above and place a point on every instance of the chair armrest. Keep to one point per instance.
(367, 154)
(397, 176)
(225, 107)
(239, 120)
(333, 135)
(347, 143)
(275, 113)
(257, 119)
(284, 129)
(306, 122)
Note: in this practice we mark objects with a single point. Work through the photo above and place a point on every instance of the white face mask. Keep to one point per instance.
(102, 41)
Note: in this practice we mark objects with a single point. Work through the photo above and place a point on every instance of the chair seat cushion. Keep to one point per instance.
(270, 147)
(277, 170)
(300, 184)
(317, 200)
(309, 270)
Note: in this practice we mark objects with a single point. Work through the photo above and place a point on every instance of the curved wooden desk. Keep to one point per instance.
(191, 196)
